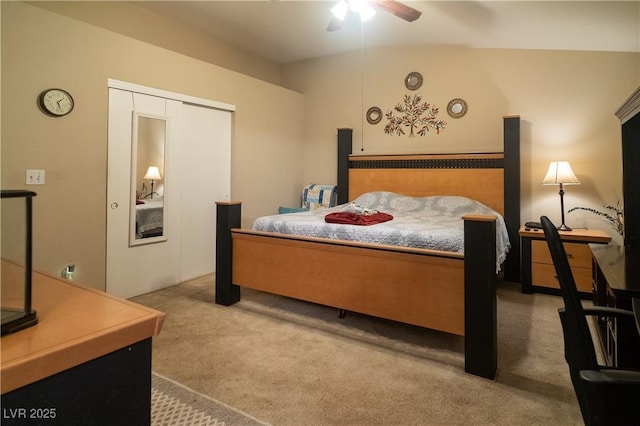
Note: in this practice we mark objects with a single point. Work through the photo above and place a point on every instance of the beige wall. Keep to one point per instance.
(41, 49)
(566, 100)
(142, 24)
(283, 139)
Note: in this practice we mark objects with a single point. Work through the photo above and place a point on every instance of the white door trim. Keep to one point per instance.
(131, 87)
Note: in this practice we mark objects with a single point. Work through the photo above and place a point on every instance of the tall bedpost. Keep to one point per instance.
(512, 195)
(345, 137)
(480, 305)
(227, 218)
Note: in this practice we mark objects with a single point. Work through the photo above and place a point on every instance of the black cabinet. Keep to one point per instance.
(114, 389)
(615, 285)
(629, 115)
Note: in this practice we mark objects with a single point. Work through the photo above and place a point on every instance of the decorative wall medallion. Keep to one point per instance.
(411, 117)
(374, 115)
(457, 108)
(413, 81)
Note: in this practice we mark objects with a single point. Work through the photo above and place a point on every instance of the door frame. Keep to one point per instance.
(146, 90)
(179, 99)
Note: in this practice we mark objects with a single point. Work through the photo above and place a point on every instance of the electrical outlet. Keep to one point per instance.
(35, 177)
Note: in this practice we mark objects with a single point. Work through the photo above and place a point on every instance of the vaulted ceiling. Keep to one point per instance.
(285, 31)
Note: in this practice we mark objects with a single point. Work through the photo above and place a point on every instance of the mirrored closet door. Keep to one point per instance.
(168, 162)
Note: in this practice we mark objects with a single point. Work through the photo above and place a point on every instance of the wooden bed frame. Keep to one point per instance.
(445, 291)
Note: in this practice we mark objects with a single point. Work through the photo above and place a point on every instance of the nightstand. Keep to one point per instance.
(538, 272)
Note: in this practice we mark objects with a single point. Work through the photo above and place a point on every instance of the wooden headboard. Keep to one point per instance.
(491, 178)
(477, 176)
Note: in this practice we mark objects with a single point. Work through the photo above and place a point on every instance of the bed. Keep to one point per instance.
(149, 218)
(449, 291)
(432, 222)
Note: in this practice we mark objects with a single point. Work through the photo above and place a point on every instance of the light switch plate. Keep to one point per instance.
(35, 177)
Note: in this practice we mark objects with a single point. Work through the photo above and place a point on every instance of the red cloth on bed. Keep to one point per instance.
(348, 218)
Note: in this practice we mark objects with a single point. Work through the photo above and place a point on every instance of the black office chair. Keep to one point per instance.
(606, 395)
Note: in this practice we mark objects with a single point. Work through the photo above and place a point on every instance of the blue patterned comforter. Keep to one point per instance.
(433, 222)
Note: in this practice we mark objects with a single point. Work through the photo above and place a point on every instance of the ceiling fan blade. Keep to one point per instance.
(335, 24)
(399, 9)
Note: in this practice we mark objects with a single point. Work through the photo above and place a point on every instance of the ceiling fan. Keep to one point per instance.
(363, 7)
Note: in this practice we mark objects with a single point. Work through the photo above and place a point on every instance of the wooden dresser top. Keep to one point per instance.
(75, 325)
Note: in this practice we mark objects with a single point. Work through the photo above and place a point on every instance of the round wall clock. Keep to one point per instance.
(56, 102)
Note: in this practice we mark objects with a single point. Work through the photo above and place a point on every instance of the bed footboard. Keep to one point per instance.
(480, 304)
(227, 217)
(439, 290)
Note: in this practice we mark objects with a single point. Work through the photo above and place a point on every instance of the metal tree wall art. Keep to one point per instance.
(412, 117)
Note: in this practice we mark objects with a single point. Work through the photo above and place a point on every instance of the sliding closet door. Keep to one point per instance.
(206, 178)
(194, 162)
(136, 263)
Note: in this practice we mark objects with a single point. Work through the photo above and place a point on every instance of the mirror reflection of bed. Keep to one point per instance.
(148, 179)
(149, 217)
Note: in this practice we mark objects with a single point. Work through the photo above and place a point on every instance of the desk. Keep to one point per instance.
(87, 361)
(616, 282)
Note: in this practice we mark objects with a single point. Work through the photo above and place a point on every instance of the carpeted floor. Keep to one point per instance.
(288, 362)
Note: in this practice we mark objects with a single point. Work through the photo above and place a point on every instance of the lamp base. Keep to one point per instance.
(563, 227)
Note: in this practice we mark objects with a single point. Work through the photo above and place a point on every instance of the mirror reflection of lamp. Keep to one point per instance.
(560, 173)
(153, 173)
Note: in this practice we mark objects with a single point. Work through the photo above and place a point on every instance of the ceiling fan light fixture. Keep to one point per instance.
(362, 8)
(340, 10)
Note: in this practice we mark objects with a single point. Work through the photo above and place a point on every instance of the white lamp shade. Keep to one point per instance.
(560, 173)
(153, 173)
(340, 10)
(360, 7)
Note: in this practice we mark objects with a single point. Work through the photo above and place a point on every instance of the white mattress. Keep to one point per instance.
(149, 215)
(424, 222)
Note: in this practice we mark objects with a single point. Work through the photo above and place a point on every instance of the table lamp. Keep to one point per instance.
(560, 173)
(153, 174)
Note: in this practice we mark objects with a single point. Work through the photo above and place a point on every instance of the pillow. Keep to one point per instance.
(284, 210)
